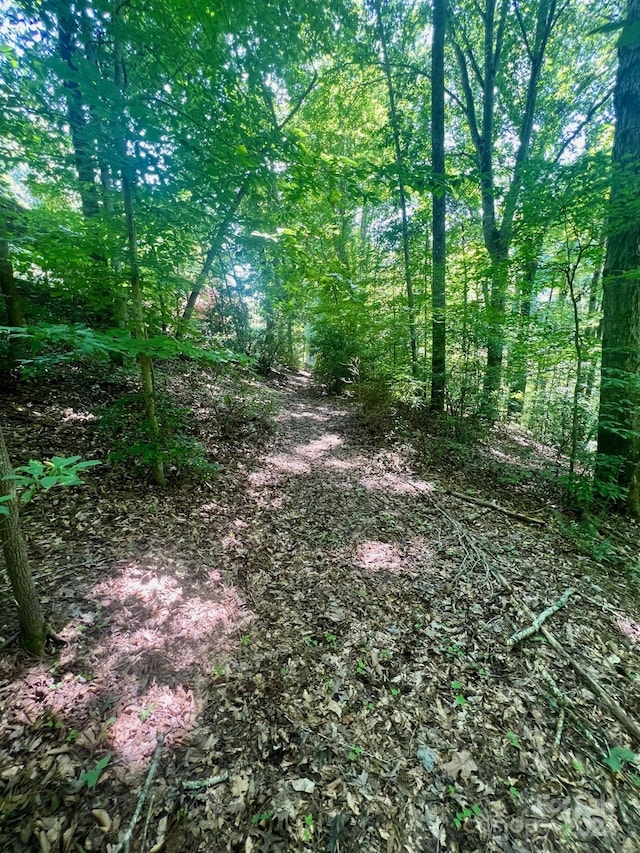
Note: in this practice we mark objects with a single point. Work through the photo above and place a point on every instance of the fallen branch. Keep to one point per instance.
(491, 505)
(537, 622)
(565, 705)
(614, 707)
(198, 784)
(126, 840)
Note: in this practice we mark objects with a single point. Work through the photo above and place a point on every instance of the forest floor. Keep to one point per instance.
(309, 651)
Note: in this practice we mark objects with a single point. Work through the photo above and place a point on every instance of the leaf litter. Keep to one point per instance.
(317, 641)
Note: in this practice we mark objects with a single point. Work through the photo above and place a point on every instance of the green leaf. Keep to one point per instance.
(91, 776)
(64, 461)
(618, 756)
(4, 510)
(48, 482)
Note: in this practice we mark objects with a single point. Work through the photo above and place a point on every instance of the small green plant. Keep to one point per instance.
(219, 670)
(145, 713)
(385, 655)
(90, 777)
(513, 738)
(361, 667)
(245, 639)
(308, 828)
(72, 734)
(618, 757)
(369, 705)
(261, 818)
(330, 638)
(354, 753)
(395, 692)
(134, 442)
(460, 699)
(310, 641)
(466, 813)
(515, 793)
(40, 476)
(454, 651)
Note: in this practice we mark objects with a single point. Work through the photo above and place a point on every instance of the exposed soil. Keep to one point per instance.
(318, 638)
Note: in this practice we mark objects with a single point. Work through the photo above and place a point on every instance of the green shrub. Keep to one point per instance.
(133, 442)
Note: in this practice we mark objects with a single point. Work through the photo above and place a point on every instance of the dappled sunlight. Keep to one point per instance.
(629, 628)
(149, 629)
(379, 556)
(399, 485)
(70, 416)
(317, 448)
(139, 719)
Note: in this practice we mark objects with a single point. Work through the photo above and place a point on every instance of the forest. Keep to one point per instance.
(319, 426)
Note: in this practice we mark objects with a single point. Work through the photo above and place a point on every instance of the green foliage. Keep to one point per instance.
(90, 777)
(618, 757)
(465, 814)
(133, 440)
(245, 412)
(55, 343)
(40, 476)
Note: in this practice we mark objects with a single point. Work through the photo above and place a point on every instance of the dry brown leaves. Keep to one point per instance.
(319, 639)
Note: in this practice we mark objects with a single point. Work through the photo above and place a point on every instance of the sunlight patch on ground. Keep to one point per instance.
(399, 485)
(376, 556)
(629, 628)
(139, 720)
(70, 415)
(149, 628)
(316, 449)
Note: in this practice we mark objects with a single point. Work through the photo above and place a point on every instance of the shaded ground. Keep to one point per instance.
(320, 634)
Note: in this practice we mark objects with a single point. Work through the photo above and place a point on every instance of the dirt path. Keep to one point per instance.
(328, 643)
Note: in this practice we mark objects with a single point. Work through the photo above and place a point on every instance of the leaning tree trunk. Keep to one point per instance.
(619, 418)
(33, 628)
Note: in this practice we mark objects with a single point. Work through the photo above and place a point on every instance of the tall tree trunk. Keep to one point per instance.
(138, 324)
(619, 417)
(81, 132)
(402, 196)
(480, 117)
(33, 628)
(439, 205)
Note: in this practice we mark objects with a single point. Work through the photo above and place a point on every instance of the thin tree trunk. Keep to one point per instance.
(402, 197)
(33, 628)
(439, 206)
(144, 361)
(619, 417)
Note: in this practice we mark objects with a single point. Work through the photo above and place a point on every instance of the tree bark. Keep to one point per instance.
(81, 133)
(138, 324)
(402, 196)
(439, 208)
(481, 121)
(33, 628)
(619, 416)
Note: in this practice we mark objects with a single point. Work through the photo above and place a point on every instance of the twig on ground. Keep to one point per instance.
(123, 846)
(491, 505)
(537, 622)
(9, 641)
(212, 781)
(614, 707)
(556, 741)
(565, 703)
